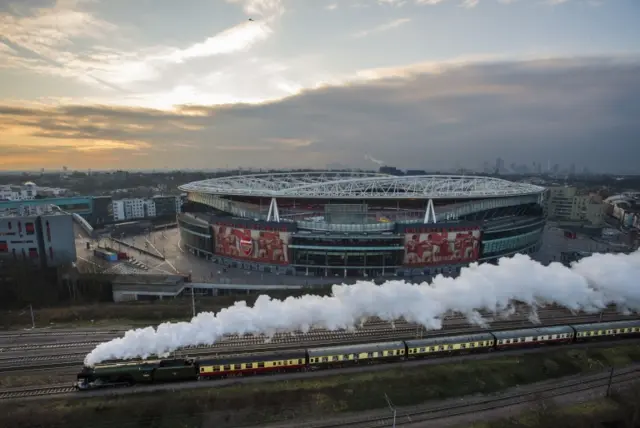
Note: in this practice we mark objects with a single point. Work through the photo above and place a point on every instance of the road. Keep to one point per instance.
(554, 243)
(180, 260)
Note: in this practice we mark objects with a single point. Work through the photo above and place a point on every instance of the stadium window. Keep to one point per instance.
(29, 228)
(4, 247)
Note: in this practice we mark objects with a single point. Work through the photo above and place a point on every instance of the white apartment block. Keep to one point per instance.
(138, 208)
(566, 203)
(26, 192)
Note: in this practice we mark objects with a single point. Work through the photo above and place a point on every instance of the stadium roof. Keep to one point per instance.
(360, 185)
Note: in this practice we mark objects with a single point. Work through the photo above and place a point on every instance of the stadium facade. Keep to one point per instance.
(355, 224)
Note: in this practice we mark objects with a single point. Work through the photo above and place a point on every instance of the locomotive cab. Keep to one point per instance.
(84, 379)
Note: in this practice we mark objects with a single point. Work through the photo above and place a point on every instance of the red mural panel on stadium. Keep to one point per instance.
(441, 246)
(255, 245)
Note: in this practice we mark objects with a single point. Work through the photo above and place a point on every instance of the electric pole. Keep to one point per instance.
(392, 408)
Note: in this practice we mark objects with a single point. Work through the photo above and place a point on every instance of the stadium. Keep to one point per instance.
(359, 224)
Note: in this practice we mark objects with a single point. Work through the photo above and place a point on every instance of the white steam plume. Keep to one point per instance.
(589, 285)
(374, 160)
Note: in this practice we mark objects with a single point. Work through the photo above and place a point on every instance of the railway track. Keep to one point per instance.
(115, 332)
(571, 384)
(248, 340)
(420, 414)
(286, 341)
(34, 391)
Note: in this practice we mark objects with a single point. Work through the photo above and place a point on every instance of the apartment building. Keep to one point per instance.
(566, 203)
(138, 208)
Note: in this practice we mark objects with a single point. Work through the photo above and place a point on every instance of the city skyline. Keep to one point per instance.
(413, 84)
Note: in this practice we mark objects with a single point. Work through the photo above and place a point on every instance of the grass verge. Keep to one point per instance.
(621, 410)
(258, 404)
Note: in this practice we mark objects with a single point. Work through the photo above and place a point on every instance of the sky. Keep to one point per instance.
(421, 84)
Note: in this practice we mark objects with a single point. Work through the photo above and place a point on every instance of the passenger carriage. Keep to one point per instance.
(459, 344)
(336, 356)
(533, 337)
(242, 365)
(607, 330)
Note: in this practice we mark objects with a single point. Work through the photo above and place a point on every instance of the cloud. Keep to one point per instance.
(63, 38)
(238, 38)
(470, 3)
(571, 110)
(263, 8)
(383, 27)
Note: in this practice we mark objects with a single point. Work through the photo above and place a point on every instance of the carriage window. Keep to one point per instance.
(201, 369)
(325, 359)
(463, 345)
(237, 366)
(260, 365)
(334, 358)
(249, 365)
(216, 368)
(345, 357)
(449, 347)
(424, 349)
(370, 355)
(227, 367)
(299, 361)
(535, 338)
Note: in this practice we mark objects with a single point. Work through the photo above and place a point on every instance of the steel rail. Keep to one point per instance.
(32, 391)
(416, 415)
(366, 336)
(246, 339)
